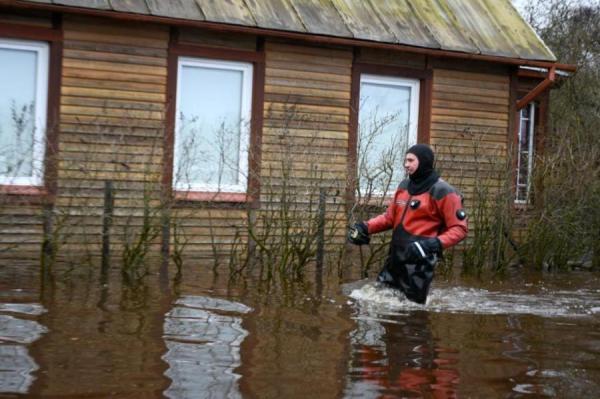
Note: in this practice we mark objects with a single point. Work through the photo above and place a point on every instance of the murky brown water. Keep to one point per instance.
(208, 337)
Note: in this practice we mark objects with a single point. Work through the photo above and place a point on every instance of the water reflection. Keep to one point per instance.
(203, 337)
(16, 365)
(517, 340)
(396, 356)
(482, 339)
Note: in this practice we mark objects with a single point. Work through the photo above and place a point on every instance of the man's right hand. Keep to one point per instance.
(358, 234)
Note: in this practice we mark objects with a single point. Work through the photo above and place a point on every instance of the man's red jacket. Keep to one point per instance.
(435, 213)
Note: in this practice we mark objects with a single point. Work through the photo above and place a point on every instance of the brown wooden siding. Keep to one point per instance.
(111, 127)
(218, 40)
(382, 57)
(469, 128)
(306, 117)
(21, 226)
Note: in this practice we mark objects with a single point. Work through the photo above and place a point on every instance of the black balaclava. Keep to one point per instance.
(425, 176)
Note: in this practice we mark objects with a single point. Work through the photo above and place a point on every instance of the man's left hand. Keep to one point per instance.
(422, 249)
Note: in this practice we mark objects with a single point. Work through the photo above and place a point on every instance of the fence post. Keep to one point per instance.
(165, 245)
(107, 216)
(321, 230)
(48, 244)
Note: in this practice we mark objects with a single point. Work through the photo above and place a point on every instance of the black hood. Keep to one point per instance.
(425, 176)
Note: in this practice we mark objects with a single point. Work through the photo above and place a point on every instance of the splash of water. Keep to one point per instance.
(481, 301)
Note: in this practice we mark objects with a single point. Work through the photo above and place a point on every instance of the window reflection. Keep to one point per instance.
(203, 347)
(17, 367)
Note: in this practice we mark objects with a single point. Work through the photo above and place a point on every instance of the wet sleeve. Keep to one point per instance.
(385, 221)
(455, 220)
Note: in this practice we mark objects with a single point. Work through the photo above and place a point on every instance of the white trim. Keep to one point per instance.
(42, 50)
(413, 111)
(245, 120)
(423, 255)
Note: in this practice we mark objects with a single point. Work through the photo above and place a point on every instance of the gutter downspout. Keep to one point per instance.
(539, 89)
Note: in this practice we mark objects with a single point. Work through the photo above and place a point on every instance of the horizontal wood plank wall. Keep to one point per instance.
(306, 117)
(22, 231)
(383, 57)
(222, 40)
(469, 129)
(207, 231)
(111, 127)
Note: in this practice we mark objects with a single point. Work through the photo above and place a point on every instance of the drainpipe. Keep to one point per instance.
(539, 89)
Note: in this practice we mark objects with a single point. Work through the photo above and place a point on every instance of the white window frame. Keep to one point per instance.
(413, 122)
(246, 114)
(42, 50)
(530, 154)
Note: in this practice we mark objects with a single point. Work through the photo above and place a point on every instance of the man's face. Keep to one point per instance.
(411, 163)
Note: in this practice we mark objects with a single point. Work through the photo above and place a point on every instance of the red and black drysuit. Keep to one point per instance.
(437, 212)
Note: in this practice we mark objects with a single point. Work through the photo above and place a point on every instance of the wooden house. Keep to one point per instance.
(214, 106)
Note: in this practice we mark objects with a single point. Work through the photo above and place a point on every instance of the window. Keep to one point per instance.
(23, 103)
(212, 125)
(388, 119)
(525, 153)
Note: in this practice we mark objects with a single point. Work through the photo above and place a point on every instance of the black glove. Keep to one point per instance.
(422, 249)
(358, 234)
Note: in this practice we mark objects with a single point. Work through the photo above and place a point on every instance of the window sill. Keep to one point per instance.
(12, 189)
(522, 207)
(16, 194)
(198, 196)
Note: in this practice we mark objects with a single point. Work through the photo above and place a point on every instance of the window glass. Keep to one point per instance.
(387, 120)
(525, 154)
(213, 116)
(23, 92)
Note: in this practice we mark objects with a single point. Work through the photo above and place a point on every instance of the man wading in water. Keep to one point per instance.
(427, 216)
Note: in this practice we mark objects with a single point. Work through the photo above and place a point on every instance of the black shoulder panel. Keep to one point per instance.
(403, 184)
(441, 188)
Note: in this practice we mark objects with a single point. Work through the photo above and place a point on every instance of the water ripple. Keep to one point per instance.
(32, 309)
(204, 302)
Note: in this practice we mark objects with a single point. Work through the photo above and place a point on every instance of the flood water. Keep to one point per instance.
(204, 335)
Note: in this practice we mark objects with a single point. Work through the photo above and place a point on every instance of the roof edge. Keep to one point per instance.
(313, 38)
(510, 4)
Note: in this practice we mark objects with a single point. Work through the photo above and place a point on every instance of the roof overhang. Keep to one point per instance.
(278, 33)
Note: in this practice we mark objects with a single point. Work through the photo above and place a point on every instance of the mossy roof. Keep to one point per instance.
(486, 27)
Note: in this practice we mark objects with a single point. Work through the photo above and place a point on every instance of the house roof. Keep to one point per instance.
(482, 27)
